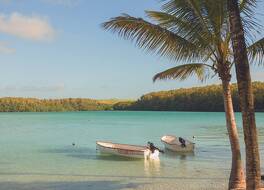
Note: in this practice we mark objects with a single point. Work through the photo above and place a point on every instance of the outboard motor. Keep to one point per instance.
(182, 141)
(152, 147)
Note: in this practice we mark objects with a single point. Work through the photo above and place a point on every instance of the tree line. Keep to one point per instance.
(10, 104)
(208, 98)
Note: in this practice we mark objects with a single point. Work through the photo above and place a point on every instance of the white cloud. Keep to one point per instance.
(29, 27)
(5, 49)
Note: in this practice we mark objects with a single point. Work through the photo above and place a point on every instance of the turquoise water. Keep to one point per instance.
(36, 150)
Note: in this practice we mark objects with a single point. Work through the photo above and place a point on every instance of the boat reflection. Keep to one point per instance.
(180, 155)
(152, 167)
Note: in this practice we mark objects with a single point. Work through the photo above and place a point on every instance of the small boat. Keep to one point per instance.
(126, 150)
(177, 144)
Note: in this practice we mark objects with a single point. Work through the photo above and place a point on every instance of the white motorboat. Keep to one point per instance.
(177, 144)
(126, 150)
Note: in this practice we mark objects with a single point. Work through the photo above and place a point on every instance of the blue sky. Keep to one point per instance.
(56, 49)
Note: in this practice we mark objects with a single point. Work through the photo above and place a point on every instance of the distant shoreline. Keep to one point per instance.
(257, 111)
(197, 99)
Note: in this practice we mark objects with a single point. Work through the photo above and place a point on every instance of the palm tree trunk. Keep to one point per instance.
(245, 96)
(237, 178)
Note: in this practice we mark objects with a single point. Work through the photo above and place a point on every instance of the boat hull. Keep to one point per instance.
(129, 151)
(172, 143)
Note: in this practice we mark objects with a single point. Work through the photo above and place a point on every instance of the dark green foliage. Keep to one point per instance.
(207, 98)
(123, 105)
(49, 105)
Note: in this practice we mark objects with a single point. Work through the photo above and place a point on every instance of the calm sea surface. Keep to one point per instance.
(36, 150)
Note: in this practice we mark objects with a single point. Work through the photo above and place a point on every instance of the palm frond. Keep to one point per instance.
(179, 26)
(189, 11)
(247, 6)
(256, 51)
(204, 14)
(189, 31)
(249, 20)
(216, 16)
(210, 16)
(182, 72)
(209, 19)
(153, 38)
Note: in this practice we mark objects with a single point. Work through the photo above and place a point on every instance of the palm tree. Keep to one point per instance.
(246, 100)
(195, 33)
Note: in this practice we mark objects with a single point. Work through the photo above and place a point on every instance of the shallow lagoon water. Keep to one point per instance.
(37, 153)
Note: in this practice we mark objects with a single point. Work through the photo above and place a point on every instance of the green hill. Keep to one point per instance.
(51, 105)
(208, 98)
